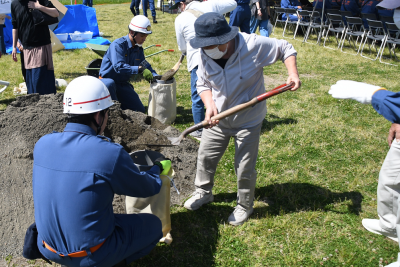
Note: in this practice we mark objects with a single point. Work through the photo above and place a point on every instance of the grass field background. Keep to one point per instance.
(318, 161)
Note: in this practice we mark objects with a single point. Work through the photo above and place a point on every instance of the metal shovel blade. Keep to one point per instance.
(6, 84)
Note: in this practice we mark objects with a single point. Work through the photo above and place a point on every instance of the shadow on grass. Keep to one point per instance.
(183, 115)
(72, 75)
(7, 101)
(195, 237)
(271, 121)
(294, 197)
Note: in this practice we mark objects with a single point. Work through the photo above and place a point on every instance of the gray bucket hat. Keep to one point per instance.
(389, 4)
(212, 29)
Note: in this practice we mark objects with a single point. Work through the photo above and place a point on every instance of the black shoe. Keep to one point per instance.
(154, 20)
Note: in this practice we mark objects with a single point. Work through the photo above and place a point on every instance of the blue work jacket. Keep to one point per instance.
(387, 104)
(351, 5)
(75, 177)
(290, 4)
(122, 60)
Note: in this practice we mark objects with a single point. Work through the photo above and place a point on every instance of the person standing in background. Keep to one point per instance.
(88, 3)
(259, 17)
(152, 9)
(135, 7)
(241, 15)
(35, 39)
(184, 28)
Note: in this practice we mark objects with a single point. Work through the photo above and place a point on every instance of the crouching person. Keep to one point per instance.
(75, 176)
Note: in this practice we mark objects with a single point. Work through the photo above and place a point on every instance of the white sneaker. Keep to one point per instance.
(239, 215)
(373, 226)
(196, 134)
(198, 199)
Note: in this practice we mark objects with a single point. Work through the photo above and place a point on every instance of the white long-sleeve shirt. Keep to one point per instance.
(184, 26)
(242, 77)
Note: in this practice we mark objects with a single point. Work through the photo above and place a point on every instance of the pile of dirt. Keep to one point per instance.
(30, 117)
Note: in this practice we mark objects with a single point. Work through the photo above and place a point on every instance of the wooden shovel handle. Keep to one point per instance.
(280, 89)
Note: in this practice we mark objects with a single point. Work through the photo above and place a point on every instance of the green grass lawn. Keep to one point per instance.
(318, 163)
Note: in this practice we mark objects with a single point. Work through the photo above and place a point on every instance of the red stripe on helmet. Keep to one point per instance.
(139, 27)
(91, 101)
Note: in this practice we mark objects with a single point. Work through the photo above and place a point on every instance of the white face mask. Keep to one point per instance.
(215, 53)
(396, 17)
(140, 45)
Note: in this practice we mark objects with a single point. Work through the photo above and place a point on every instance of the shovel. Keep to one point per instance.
(171, 72)
(6, 84)
(175, 141)
(280, 89)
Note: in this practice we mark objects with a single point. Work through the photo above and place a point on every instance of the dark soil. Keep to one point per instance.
(30, 117)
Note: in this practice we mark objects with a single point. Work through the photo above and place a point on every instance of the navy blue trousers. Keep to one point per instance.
(135, 6)
(240, 17)
(152, 8)
(41, 81)
(125, 94)
(135, 235)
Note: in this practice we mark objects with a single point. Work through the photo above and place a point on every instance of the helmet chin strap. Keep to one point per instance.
(97, 125)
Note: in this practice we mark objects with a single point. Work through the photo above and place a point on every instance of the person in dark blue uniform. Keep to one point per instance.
(241, 15)
(352, 5)
(122, 60)
(152, 9)
(135, 7)
(336, 3)
(75, 176)
(290, 4)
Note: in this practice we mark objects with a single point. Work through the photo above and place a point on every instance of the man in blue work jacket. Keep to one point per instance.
(75, 176)
(124, 58)
(241, 15)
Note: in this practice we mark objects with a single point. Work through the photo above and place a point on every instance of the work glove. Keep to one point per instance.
(147, 75)
(361, 92)
(164, 164)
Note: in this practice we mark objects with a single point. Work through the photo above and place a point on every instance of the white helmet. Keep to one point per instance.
(141, 24)
(85, 95)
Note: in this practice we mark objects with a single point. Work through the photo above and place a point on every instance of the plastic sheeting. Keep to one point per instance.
(78, 18)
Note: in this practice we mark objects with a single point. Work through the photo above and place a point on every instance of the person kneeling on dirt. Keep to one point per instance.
(230, 73)
(75, 176)
(124, 58)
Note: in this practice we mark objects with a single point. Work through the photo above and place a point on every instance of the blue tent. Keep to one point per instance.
(78, 18)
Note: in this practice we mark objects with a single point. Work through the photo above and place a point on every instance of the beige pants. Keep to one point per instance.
(389, 190)
(213, 144)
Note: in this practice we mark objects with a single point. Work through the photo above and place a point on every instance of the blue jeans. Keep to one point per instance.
(152, 8)
(125, 94)
(240, 17)
(134, 236)
(135, 5)
(263, 24)
(197, 103)
(88, 3)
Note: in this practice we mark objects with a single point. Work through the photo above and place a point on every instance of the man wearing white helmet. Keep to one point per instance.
(123, 59)
(75, 176)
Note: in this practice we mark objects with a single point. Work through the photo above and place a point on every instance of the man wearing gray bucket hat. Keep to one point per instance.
(230, 72)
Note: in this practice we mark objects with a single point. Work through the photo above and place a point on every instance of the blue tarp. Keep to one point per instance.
(78, 18)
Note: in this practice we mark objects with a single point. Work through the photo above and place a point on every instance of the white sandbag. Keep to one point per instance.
(162, 101)
(56, 45)
(158, 204)
(61, 83)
